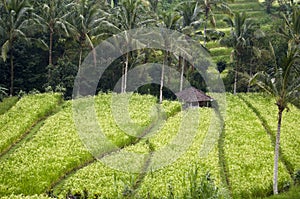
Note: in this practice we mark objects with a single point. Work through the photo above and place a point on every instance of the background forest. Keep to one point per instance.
(44, 42)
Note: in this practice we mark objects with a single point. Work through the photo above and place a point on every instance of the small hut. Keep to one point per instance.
(192, 98)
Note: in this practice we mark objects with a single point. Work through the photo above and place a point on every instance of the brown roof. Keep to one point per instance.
(193, 95)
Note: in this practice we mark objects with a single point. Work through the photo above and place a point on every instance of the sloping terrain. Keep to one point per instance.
(55, 161)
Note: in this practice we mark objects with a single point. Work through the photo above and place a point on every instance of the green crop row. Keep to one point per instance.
(171, 153)
(7, 103)
(99, 178)
(244, 1)
(225, 58)
(248, 152)
(56, 149)
(20, 118)
(176, 176)
(212, 44)
(124, 117)
(219, 51)
(26, 197)
(254, 6)
(290, 140)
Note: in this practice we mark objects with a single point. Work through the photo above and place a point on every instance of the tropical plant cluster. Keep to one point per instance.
(43, 43)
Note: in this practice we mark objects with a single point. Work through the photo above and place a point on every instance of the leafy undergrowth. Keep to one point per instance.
(293, 193)
(7, 103)
(22, 116)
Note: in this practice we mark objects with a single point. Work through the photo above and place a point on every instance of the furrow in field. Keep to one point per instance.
(17, 122)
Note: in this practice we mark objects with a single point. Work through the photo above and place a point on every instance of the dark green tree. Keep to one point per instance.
(86, 26)
(128, 15)
(52, 20)
(169, 20)
(291, 28)
(14, 23)
(242, 30)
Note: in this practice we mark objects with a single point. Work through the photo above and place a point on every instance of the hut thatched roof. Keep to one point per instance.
(193, 95)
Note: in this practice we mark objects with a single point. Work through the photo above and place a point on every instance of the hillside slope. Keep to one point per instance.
(253, 9)
(55, 158)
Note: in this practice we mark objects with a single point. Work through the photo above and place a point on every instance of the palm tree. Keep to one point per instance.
(52, 18)
(191, 18)
(128, 15)
(190, 12)
(86, 26)
(241, 33)
(13, 23)
(207, 6)
(291, 30)
(169, 20)
(283, 83)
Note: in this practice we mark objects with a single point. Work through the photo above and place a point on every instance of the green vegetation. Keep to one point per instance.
(7, 103)
(98, 178)
(55, 149)
(49, 154)
(49, 147)
(250, 172)
(66, 31)
(289, 137)
(54, 161)
(293, 193)
(25, 113)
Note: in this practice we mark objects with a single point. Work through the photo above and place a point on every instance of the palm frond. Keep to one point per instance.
(5, 49)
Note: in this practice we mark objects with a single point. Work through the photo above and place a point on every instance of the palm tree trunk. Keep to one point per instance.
(80, 58)
(122, 82)
(235, 82)
(94, 56)
(11, 72)
(50, 47)
(162, 78)
(205, 27)
(125, 72)
(269, 5)
(181, 65)
(50, 54)
(235, 78)
(169, 62)
(276, 156)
